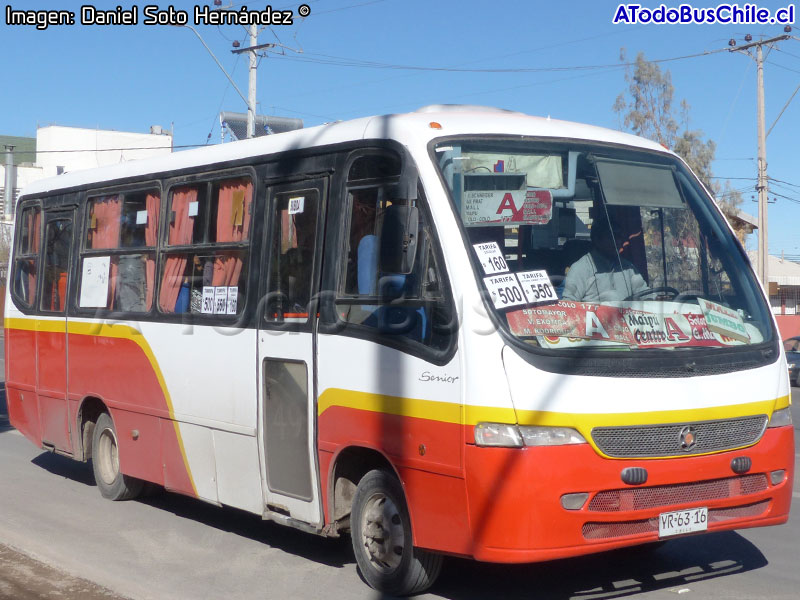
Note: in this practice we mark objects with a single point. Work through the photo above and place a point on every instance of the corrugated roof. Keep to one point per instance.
(781, 271)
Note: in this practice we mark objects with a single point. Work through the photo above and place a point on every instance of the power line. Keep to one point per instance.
(784, 182)
(490, 58)
(785, 106)
(330, 10)
(795, 200)
(339, 61)
(787, 53)
(110, 149)
(774, 64)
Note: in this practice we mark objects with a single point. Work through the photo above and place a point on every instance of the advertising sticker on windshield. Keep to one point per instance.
(723, 320)
(491, 258)
(505, 290)
(537, 287)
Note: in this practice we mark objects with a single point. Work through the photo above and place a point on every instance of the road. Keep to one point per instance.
(64, 541)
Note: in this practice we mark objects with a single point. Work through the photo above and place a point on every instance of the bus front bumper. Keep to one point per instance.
(515, 496)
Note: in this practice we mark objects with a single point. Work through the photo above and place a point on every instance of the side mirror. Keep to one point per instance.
(399, 234)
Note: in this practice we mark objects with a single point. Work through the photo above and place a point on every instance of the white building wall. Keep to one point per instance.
(66, 149)
(25, 174)
(98, 148)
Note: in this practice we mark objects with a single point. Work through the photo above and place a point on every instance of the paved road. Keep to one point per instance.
(168, 546)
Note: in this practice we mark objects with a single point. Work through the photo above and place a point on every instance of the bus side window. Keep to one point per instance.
(403, 306)
(205, 265)
(26, 259)
(122, 230)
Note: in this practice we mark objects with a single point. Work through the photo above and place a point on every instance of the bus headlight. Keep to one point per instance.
(497, 434)
(512, 436)
(781, 418)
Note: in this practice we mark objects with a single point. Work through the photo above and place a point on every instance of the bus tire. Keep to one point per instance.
(112, 483)
(382, 540)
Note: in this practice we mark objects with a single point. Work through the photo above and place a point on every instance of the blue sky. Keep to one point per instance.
(130, 77)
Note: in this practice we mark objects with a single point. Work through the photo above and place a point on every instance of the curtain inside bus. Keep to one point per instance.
(233, 223)
(180, 232)
(150, 239)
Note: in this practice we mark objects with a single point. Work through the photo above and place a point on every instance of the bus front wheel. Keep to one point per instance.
(382, 540)
(105, 463)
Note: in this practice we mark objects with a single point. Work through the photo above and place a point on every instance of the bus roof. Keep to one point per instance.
(409, 129)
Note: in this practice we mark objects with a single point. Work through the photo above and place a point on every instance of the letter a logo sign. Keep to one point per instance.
(594, 327)
(507, 204)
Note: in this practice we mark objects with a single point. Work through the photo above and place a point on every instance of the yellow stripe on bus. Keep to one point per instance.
(444, 412)
(447, 412)
(585, 421)
(117, 331)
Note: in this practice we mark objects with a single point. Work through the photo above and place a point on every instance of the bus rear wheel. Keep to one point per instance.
(382, 540)
(105, 463)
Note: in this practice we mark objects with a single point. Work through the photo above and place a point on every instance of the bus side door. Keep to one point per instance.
(286, 340)
(51, 331)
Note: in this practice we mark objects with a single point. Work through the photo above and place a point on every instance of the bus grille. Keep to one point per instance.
(670, 495)
(597, 531)
(640, 441)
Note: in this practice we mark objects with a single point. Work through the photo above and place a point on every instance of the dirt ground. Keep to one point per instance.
(23, 578)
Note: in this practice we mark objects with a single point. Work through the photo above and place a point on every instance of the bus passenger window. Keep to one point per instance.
(205, 269)
(122, 229)
(292, 267)
(27, 256)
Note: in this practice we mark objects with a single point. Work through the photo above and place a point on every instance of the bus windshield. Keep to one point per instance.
(582, 245)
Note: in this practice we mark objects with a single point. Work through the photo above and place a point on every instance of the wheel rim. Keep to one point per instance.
(107, 456)
(382, 534)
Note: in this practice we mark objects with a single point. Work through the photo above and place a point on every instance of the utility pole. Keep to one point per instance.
(251, 86)
(762, 186)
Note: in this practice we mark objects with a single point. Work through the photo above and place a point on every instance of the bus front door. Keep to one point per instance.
(51, 333)
(286, 371)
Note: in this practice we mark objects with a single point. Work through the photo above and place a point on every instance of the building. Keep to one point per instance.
(57, 149)
(784, 293)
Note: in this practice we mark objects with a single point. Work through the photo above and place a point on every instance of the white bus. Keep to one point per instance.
(460, 331)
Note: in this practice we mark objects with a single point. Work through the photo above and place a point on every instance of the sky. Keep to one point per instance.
(355, 58)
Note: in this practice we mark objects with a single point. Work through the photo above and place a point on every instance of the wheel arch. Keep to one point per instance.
(350, 464)
(91, 407)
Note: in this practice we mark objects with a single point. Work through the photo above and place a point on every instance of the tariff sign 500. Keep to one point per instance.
(504, 290)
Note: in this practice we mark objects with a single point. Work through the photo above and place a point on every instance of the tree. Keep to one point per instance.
(647, 110)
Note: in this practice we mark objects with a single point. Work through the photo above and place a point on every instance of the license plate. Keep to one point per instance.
(682, 521)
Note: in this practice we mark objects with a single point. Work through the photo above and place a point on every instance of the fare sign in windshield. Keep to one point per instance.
(501, 207)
